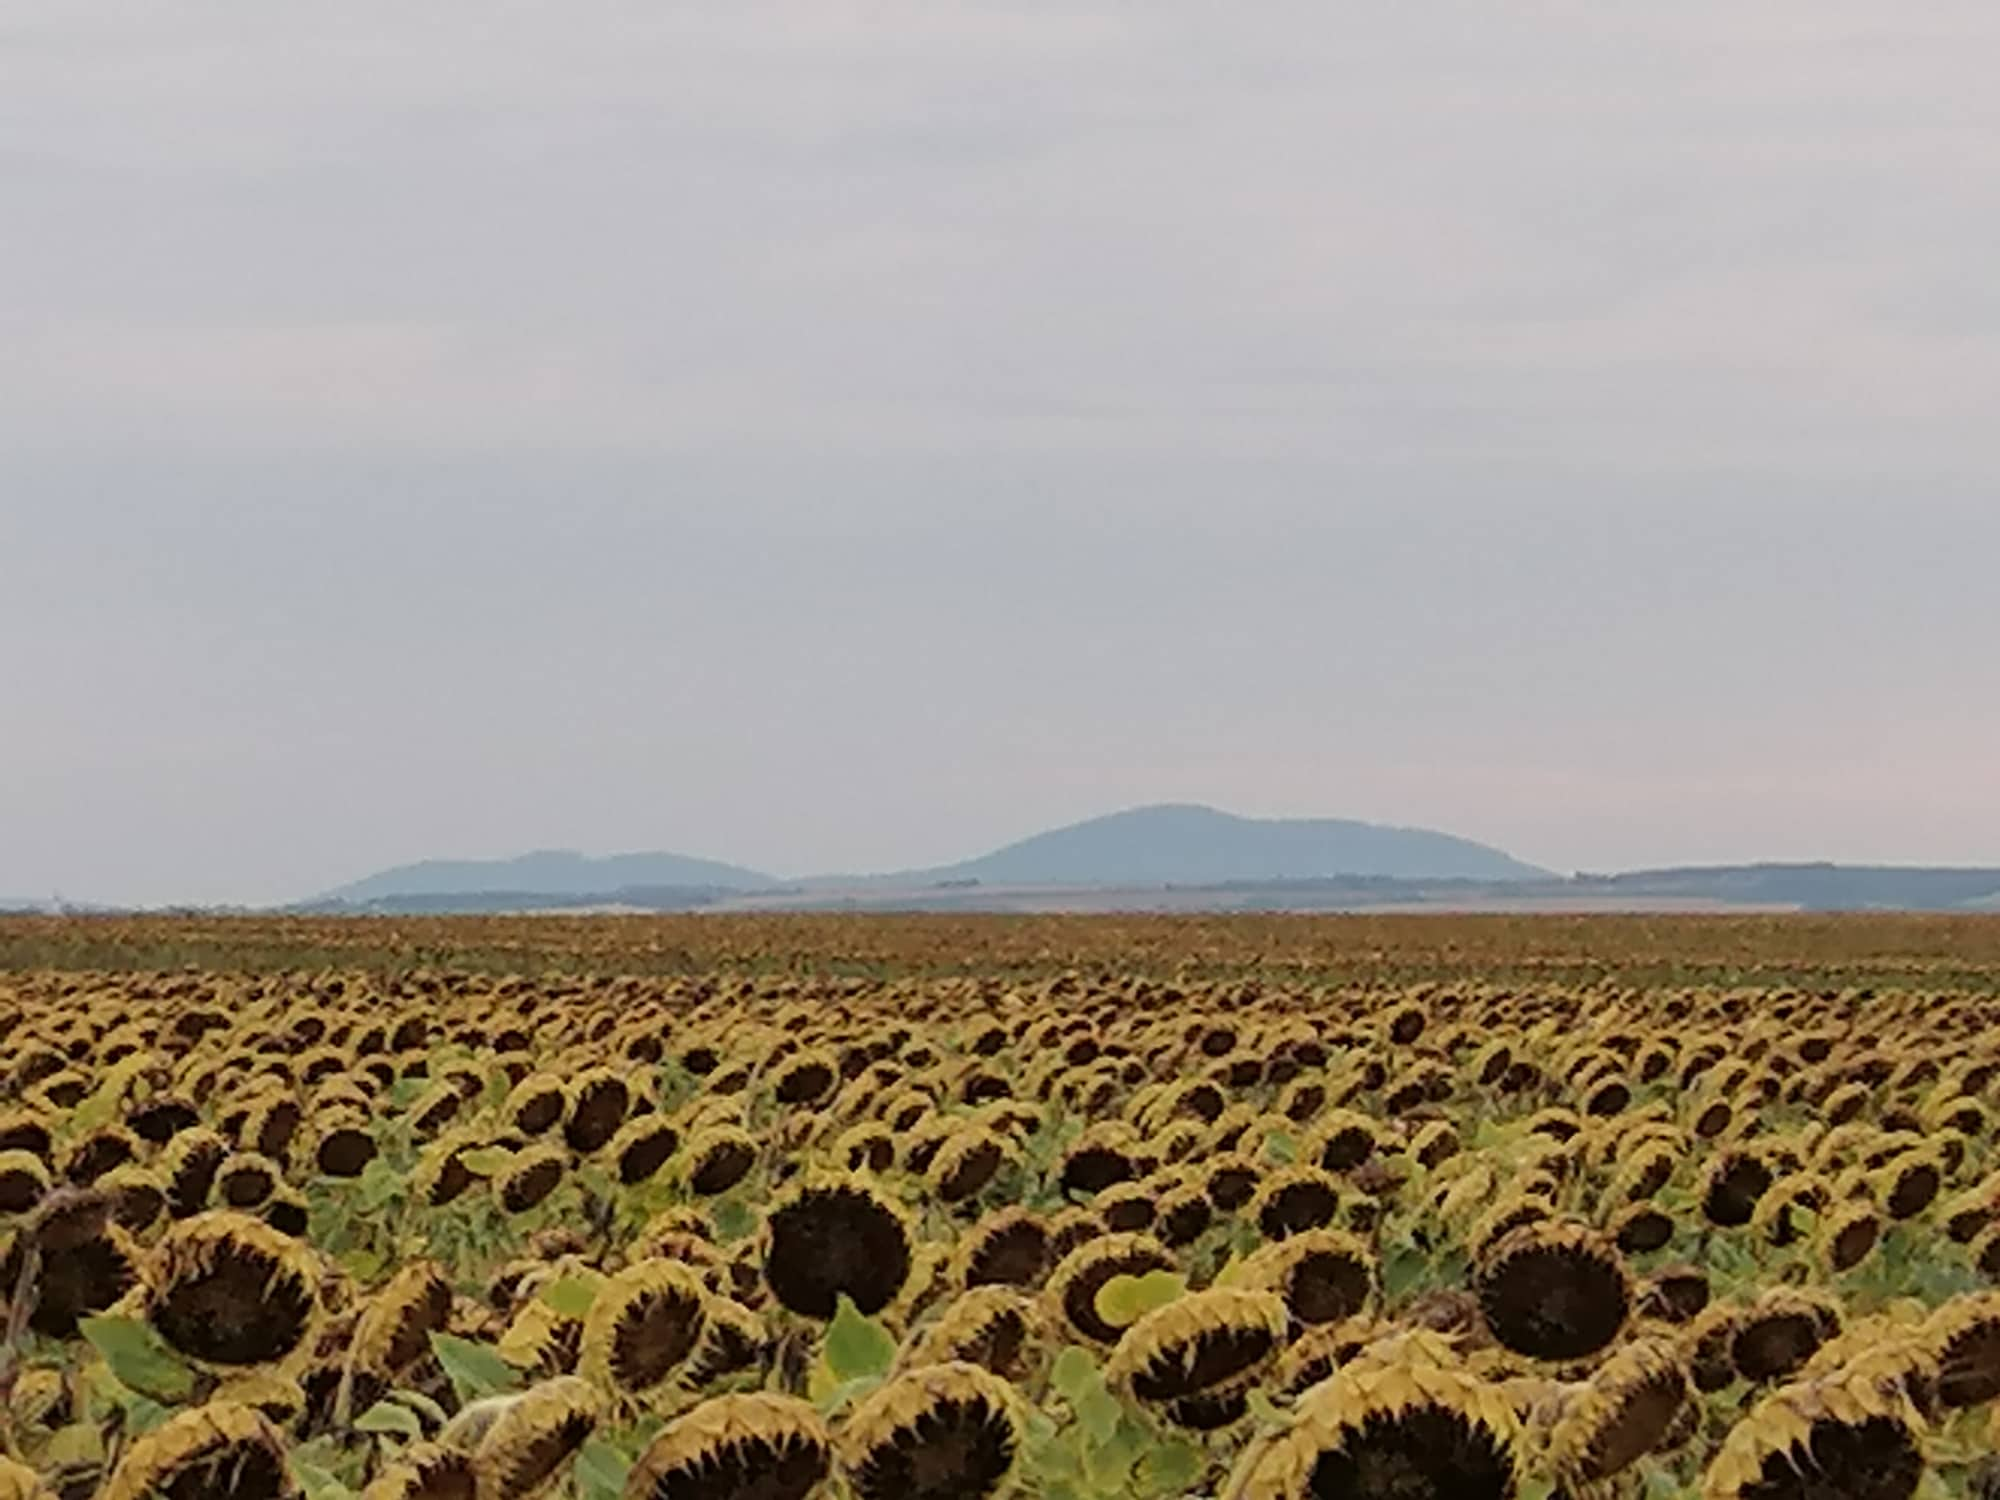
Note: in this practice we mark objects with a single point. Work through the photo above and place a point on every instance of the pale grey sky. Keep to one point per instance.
(846, 436)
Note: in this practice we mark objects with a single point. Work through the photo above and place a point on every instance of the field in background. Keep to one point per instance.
(1798, 949)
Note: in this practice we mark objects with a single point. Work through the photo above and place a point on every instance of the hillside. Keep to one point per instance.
(549, 872)
(1176, 844)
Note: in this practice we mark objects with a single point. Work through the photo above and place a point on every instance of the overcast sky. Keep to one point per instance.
(849, 436)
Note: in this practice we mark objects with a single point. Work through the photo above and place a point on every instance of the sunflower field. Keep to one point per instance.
(1077, 1232)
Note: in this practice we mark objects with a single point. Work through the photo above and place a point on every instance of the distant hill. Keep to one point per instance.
(1182, 844)
(546, 873)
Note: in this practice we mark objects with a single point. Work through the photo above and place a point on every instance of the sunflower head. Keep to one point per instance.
(223, 1450)
(1082, 1274)
(1323, 1275)
(952, 1430)
(394, 1329)
(1006, 1247)
(229, 1291)
(755, 1446)
(1824, 1439)
(1406, 1418)
(994, 1327)
(1624, 1411)
(532, 1436)
(1193, 1361)
(832, 1235)
(1553, 1291)
(643, 1327)
(427, 1471)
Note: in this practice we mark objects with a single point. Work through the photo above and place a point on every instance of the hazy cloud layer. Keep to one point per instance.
(827, 435)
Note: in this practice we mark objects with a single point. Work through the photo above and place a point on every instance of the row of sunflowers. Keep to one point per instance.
(467, 1237)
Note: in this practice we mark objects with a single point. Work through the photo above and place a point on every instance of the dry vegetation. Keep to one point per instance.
(791, 1207)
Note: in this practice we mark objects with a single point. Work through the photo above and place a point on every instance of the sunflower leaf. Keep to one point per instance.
(1124, 1300)
(600, 1470)
(422, 1405)
(476, 1369)
(139, 1358)
(856, 1345)
(571, 1296)
(487, 1161)
(1170, 1468)
(1072, 1372)
(1279, 1147)
(318, 1483)
(390, 1417)
(733, 1219)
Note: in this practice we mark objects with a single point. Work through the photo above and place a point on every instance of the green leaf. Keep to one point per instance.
(833, 1399)
(1109, 1463)
(600, 1471)
(856, 1346)
(1098, 1412)
(78, 1444)
(1171, 1468)
(733, 1219)
(378, 1184)
(1072, 1372)
(318, 1483)
(571, 1296)
(364, 1265)
(1281, 1148)
(487, 1161)
(390, 1416)
(476, 1369)
(1124, 1300)
(139, 1358)
(423, 1406)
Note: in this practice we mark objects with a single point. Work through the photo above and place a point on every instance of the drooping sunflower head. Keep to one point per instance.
(1964, 1337)
(994, 1327)
(643, 1145)
(393, 1331)
(1553, 1291)
(1831, 1439)
(947, 1432)
(754, 1446)
(1006, 1247)
(1193, 1361)
(522, 1452)
(1295, 1200)
(1406, 1419)
(832, 1235)
(1082, 1274)
(530, 1176)
(427, 1471)
(1323, 1275)
(734, 1342)
(1780, 1331)
(716, 1158)
(222, 1450)
(229, 1291)
(1625, 1411)
(643, 1326)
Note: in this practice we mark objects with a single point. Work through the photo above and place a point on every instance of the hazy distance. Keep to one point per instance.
(842, 437)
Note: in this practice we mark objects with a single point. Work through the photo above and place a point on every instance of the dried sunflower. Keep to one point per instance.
(227, 1290)
(222, 1450)
(1193, 1361)
(643, 1326)
(1406, 1419)
(1553, 1291)
(756, 1446)
(532, 1436)
(833, 1235)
